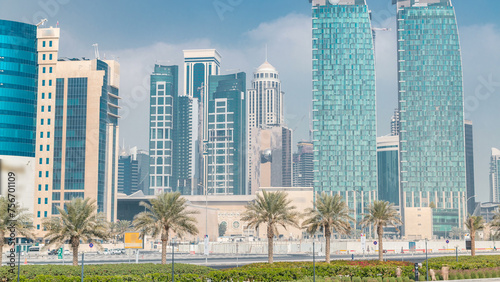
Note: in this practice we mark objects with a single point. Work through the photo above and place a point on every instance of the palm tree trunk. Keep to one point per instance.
(2, 240)
(473, 243)
(380, 232)
(328, 235)
(270, 237)
(75, 243)
(164, 243)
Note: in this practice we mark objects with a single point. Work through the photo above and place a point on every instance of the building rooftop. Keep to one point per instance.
(495, 152)
(266, 67)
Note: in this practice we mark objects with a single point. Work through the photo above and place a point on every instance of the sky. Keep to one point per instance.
(141, 34)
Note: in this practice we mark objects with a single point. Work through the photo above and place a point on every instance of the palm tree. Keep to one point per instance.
(331, 212)
(13, 215)
(381, 214)
(272, 209)
(79, 220)
(456, 232)
(166, 213)
(119, 228)
(474, 223)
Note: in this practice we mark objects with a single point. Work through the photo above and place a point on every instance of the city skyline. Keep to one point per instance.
(484, 30)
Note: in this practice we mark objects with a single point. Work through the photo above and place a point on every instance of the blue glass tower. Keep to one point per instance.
(227, 135)
(344, 112)
(18, 88)
(388, 169)
(432, 146)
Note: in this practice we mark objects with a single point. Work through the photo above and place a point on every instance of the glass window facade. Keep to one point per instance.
(18, 87)
(226, 145)
(164, 87)
(432, 148)
(344, 112)
(388, 175)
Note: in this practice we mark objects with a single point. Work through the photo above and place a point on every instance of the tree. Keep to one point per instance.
(13, 217)
(331, 213)
(166, 213)
(222, 228)
(79, 220)
(381, 214)
(272, 209)
(474, 223)
(456, 233)
(119, 228)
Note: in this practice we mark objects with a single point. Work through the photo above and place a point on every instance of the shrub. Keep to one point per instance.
(480, 275)
(467, 275)
(356, 279)
(460, 276)
(473, 275)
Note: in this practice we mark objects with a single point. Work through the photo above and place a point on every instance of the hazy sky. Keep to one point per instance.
(140, 34)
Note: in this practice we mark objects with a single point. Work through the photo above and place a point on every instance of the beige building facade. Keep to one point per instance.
(418, 223)
(77, 131)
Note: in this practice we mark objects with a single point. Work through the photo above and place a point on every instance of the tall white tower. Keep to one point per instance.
(265, 99)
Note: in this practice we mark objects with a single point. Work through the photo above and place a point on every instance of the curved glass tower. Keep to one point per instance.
(18, 86)
(432, 145)
(344, 109)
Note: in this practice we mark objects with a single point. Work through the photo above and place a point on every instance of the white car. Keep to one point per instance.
(67, 252)
(103, 252)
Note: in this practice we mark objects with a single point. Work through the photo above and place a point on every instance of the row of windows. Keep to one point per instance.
(47, 160)
(46, 201)
(44, 57)
(49, 96)
(40, 174)
(48, 134)
(50, 82)
(44, 43)
(44, 69)
(42, 120)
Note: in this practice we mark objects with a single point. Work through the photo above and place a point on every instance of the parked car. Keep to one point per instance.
(67, 253)
(103, 252)
(53, 252)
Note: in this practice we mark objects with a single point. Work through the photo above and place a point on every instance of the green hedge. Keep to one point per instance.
(464, 262)
(291, 271)
(97, 278)
(32, 271)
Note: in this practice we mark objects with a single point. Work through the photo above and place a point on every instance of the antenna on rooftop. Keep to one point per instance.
(96, 50)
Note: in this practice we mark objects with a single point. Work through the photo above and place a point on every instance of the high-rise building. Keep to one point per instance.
(270, 157)
(128, 174)
(18, 108)
(164, 89)
(133, 171)
(494, 175)
(344, 112)
(265, 99)
(395, 124)
(199, 65)
(469, 154)
(303, 165)
(183, 154)
(432, 146)
(85, 133)
(226, 147)
(388, 169)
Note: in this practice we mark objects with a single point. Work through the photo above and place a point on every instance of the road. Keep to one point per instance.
(220, 261)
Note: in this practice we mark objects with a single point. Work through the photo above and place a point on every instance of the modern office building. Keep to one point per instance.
(183, 144)
(469, 161)
(303, 165)
(270, 157)
(164, 89)
(388, 169)
(265, 99)
(84, 139)
(432, 145)
(226, 147)
(395, 124)
(494, 175)
(344, 112)
(18, 108)
(133, 171)
(199, 65)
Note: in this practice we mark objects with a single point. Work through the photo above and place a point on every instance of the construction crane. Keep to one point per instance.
(43, 21)
(96, 50)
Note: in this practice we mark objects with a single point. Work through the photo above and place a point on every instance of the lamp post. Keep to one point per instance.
(426, 262)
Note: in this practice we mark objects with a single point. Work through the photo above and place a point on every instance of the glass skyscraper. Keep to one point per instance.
(344, 112)
(226, 147)
(18, 87)
(469, 154)
(494, 175)
(164, 89)
(432, 146)
(388, 169)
